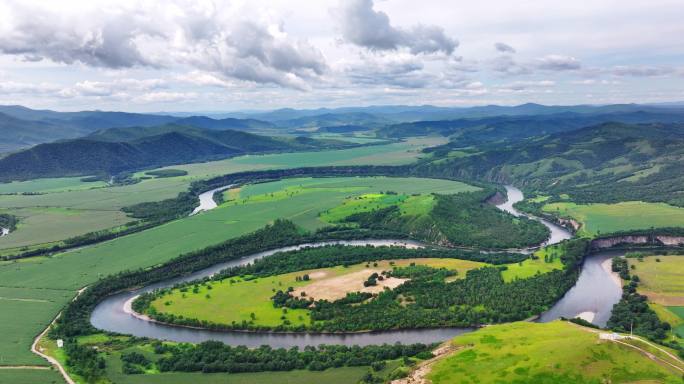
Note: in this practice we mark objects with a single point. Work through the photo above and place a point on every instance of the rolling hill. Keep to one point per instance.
(117, 150)
(609, 163)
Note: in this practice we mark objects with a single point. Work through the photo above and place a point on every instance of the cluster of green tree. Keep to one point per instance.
(135, 363)
(213, 356)
(162, 173)
(162, 211)
(8, 221)
(426, 300)
(334, 255)
(84, 361)
(620, 266)
(632, 313)
(463, 219)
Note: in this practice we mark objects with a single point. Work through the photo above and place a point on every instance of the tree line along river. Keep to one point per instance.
(592, 297)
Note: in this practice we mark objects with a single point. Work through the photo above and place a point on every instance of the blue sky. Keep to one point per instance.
(233, 55)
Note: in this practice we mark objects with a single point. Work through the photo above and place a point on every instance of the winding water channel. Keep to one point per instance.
(593, 296)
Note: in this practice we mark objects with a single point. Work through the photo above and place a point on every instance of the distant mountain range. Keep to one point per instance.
(116, 150)
(21, 127)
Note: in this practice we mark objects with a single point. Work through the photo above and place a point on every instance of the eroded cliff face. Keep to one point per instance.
(609, 242)
(671, 240)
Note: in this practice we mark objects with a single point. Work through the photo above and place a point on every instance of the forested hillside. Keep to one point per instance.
(125, 149)
(607, 163)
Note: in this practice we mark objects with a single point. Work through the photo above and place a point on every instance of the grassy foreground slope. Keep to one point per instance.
(65, 273)
(556, 352)
(59, 214)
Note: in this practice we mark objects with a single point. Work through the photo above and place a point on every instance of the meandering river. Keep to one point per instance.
(207, 199)
(593, 296)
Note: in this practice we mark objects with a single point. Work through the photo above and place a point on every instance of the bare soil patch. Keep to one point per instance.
(334, 288)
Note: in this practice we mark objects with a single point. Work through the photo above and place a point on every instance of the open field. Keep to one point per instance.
(30, 376)
(25, 313)
(414, 205)
(531, 267)
(556, 352)
(49, 185)
(678, 324)
(72, 270)
(662, 278)
(235, 300)
(606, 218)
(61, 214)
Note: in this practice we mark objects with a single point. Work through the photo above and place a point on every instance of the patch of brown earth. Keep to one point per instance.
(335, 288)
(419, 374)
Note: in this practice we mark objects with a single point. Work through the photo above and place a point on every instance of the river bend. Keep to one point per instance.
(595, 293)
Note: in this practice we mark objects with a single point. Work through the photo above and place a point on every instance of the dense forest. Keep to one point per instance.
(463, 219)
(214, 356)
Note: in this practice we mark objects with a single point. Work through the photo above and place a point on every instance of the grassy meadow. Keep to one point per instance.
(556, 352)
(607, 218)
(546, 260)
(235, 300)
(67, 272)
(661, 278)
(49, 185)
(69, 207)
(30, 376)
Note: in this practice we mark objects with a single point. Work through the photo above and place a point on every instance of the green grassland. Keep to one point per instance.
(72, 270)
(678, 324)
(413, 205)
(234, 300)
(30, 376)
(545, 260)
(70, 210)
(49, 185)
(25, 313)
(607, 218)
(661, 278)
(556, 352)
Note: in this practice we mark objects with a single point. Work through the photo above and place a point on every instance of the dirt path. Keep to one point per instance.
(39, 367)
(679, 367)
(50, 359)
(419, 374)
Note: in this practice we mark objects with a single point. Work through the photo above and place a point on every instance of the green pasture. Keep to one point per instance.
(235, 299)
(607, 218)
(413, 205)
(556, 352)
(24, 313)
(533, 266)
(661, 278)
(49, 185)
(71, 209)
(72, 270)
(30, 376)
